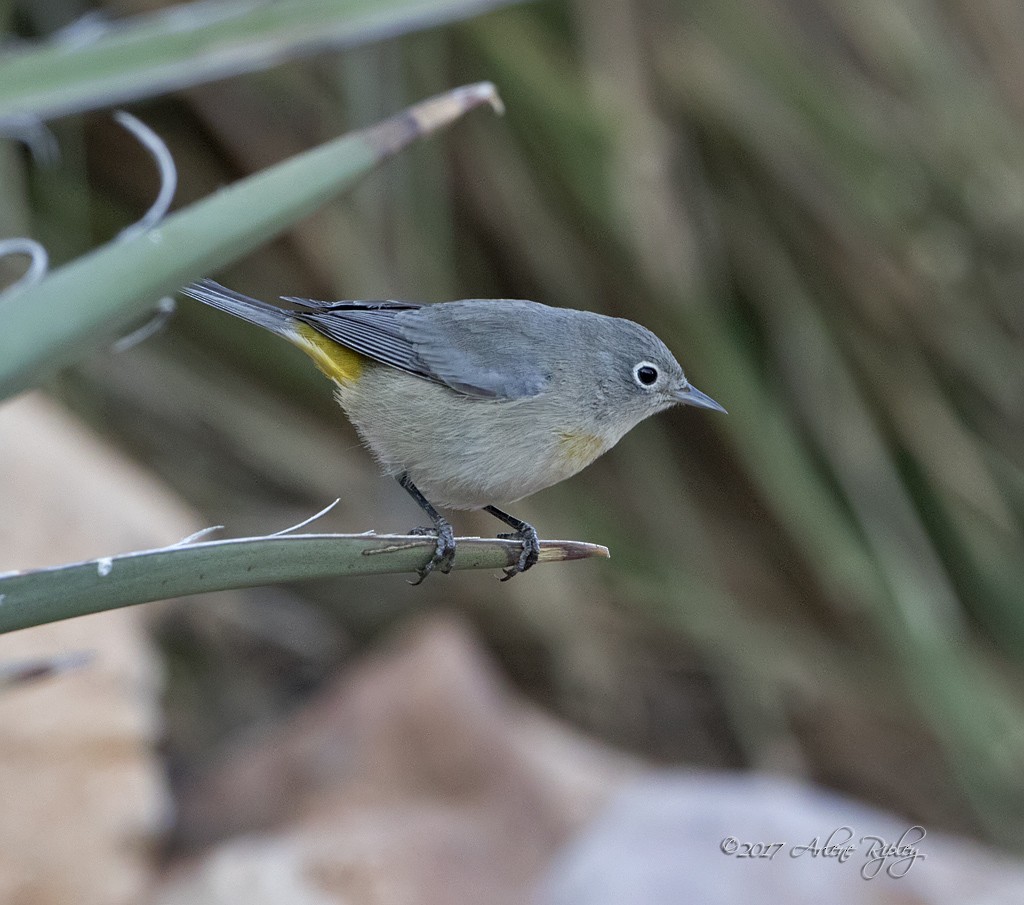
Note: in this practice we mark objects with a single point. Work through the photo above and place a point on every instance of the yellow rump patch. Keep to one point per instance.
(581, 449)
(337, 362)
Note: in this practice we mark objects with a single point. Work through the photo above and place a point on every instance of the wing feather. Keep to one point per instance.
(463, 345)
(369, 328)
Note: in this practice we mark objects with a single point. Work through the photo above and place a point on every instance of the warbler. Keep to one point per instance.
(480, 401)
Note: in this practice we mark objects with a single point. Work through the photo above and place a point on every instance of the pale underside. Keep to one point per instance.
(466, 452)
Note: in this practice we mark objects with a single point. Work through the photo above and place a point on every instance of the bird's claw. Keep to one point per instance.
(531, 550)
(444, 551)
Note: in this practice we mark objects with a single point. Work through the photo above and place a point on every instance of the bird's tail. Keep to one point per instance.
(341, 364)
(270, 317)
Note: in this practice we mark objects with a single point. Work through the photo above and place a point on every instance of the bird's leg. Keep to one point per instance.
(444, 552)
(524, 532)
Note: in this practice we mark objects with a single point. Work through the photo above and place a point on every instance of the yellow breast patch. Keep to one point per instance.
(581, 449)
(337, 362)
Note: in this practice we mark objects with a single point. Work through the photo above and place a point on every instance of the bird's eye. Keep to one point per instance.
(645, 374)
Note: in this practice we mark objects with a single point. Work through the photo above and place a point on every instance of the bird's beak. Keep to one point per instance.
(690, 395)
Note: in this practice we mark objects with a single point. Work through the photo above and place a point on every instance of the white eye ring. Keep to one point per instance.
(646, 374)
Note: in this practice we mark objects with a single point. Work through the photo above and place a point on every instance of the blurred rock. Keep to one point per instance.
(417, 778)
(82, 793)
(678, 837)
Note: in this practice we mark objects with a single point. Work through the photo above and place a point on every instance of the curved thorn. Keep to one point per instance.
(157, 211)
(32, 132)
(165, 165)
(308, 521)
(37, 267)
(164, 309)
(202, 532)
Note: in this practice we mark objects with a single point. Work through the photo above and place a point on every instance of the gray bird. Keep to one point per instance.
(480, 401)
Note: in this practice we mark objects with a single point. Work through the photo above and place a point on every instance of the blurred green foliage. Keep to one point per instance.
(817, 204)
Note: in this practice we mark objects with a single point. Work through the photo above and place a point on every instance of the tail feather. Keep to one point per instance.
(270, 317)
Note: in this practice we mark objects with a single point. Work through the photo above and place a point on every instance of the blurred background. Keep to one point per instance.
(817, 204)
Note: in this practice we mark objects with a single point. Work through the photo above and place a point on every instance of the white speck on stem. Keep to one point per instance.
(104, 566)
(3, 597)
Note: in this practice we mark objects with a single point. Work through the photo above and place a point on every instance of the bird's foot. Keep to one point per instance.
(444, 551)
(531, 549)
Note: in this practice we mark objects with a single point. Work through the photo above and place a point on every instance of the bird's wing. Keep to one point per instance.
(487, 348)
(369, 328)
